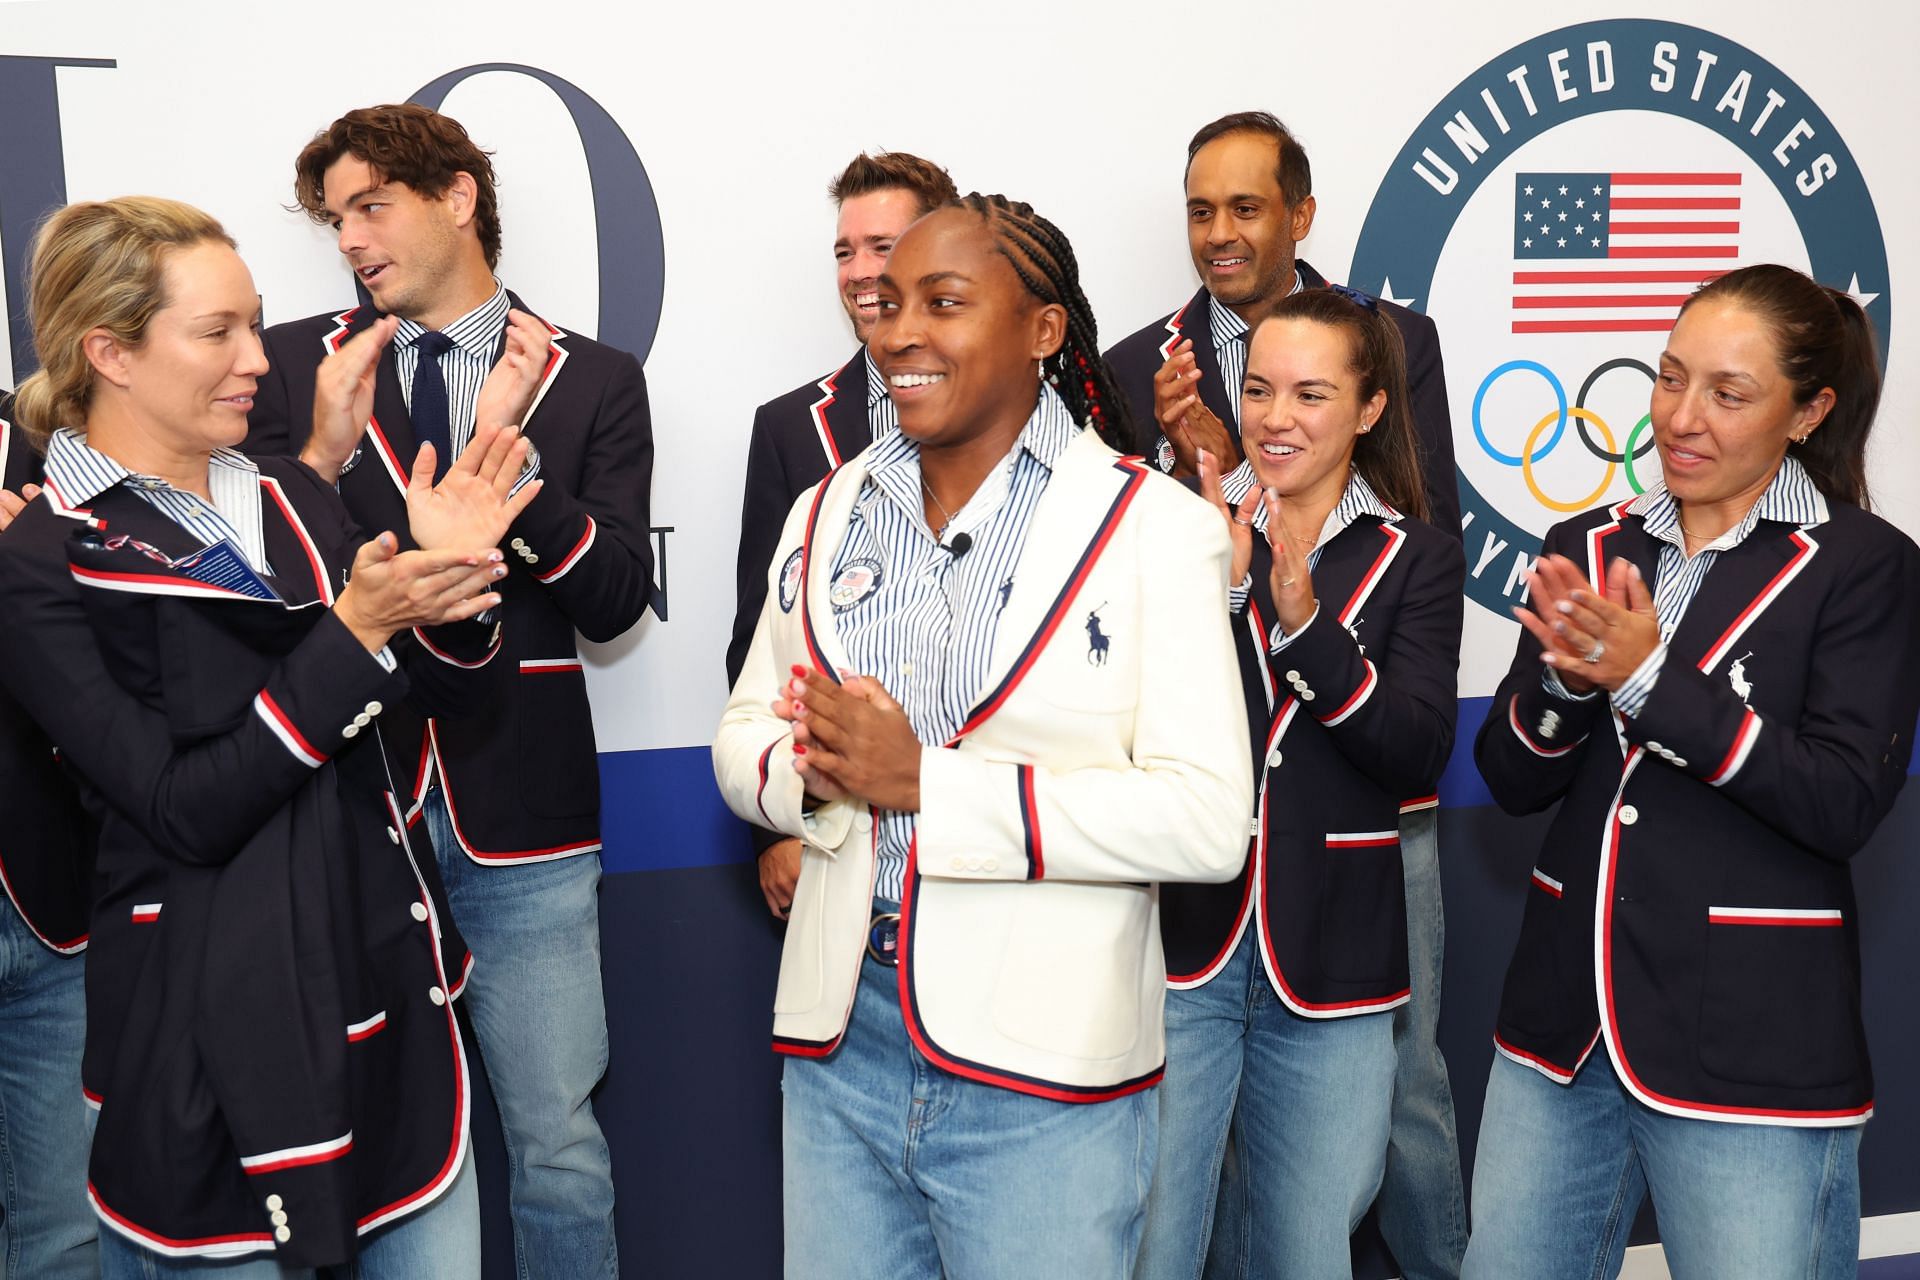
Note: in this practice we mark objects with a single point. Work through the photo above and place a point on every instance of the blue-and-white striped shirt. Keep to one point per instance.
(1792, 498)
(919, 619)
(81, 473)
(883, 419)
(476, 338)
(1230, 336)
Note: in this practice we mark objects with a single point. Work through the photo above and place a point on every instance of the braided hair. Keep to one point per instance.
(1044, 261)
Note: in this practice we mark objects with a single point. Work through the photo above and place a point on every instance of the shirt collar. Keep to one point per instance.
(876, 385)
(477, 333)
(1357, 500)
(81, 473)
(1050, 428)
(1226, 324)
(1791, 498)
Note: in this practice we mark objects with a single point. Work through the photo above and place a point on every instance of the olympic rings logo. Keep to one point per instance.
(1613, 455)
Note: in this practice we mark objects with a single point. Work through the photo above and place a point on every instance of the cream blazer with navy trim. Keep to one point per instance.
(1030, 948)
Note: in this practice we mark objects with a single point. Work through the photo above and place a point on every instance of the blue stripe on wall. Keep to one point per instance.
(661, 809)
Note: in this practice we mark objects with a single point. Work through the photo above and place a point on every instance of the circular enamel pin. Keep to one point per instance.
(854, 583)
(790, 580)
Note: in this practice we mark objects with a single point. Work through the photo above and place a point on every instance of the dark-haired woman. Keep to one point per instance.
(278, 1080)
(993, 692)
(1348, 619)
(1717, 684)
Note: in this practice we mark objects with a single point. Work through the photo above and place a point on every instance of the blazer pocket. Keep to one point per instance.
(559, 769)
(1781, 1002)
(804, 956)
(1071, 975)
(1362, 906)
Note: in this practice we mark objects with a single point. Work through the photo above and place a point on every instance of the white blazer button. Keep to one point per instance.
(275, 1202)
(279, 1217)
(282, 1234)
(973, 864)
(1273, 758)
(518, 544)
(1679, 762)
(532, 558)
(959, 864)
(1306, 695)
(991, 864)
(1656, 748)
(863, 822)
(375, 707)
(393, 835)
(1293, 677)
(436, 995)
(1253, 827)
(350, 731)
(420, 912)
(1628, 815)
(363, 719)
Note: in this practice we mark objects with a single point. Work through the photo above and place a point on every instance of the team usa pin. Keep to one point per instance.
(855, 582)
(790, 580)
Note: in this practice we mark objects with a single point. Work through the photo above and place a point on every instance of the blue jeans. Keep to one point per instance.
(541, 1019)
(1423, 1208)
(1561, 1170)
(894, 1168)
(46, 1226)
(439, 1242)
(1308, 1101)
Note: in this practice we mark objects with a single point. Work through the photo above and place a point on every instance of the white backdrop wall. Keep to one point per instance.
(741, 113)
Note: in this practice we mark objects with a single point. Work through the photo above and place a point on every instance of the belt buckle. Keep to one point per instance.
(883, 938)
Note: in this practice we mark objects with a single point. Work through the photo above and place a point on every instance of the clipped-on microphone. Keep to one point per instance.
(961, 544)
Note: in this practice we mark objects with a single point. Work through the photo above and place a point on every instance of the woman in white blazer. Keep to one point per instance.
(993, 692)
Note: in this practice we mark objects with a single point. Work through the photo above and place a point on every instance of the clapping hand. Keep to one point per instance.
(1189, 425)
(12, 504)
(1239, 519)
(474, 504)
(507, 395)
(1590, 640)
(1290, 582)
(343, 398)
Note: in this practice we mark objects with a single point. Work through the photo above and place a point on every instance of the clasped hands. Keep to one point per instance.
(1591, 640)
(851, 741)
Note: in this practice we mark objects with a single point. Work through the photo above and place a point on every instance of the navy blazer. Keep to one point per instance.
(797, 438)
(46, 850)
(1137, 357)
(269, 1026)
(1701, 849)
(1355, 713)
(520, 770)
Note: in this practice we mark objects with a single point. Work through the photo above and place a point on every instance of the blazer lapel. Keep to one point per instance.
(1085, 498)
(1744, 583)
(844, 416)
(826, 529)
(557, 354)
(301, 574)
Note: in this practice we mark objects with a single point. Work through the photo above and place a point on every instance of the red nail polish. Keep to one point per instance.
(799, 670)
(799, 750)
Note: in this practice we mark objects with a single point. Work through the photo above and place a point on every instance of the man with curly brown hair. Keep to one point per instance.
(509, 791)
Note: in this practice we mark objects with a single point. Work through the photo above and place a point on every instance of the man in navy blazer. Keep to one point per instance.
(1249, 190)
(509, 790)
(800, 436)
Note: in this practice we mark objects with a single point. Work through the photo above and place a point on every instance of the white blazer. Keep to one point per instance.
(1029, 941)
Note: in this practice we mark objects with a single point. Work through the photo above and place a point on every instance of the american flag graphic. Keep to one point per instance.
(1617, 252)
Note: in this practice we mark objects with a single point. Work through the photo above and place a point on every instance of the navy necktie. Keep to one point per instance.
(429, 407)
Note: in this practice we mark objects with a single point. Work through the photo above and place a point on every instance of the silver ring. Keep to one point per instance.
(1598, 651)
(1287, 582)
(1243, 523)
